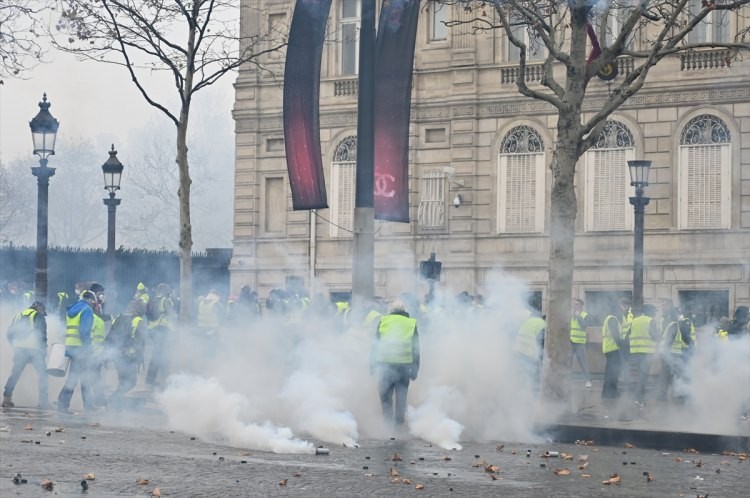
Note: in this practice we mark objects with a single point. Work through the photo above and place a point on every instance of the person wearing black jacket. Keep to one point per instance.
(28, 336)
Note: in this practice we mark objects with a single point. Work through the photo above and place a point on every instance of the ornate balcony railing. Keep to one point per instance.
(535, 72)
(704, 59)
(345, 88)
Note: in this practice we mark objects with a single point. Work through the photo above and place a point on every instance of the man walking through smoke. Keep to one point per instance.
(395, 358)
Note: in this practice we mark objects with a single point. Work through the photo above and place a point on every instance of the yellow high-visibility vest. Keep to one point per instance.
(527, 340)
(31, 339)
(577, 332)
(609, 342)
(640, 339)
(72, 330)
(395, 337)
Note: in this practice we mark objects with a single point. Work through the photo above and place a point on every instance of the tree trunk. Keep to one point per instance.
(186, 230)
(556, 371)
(563, 210)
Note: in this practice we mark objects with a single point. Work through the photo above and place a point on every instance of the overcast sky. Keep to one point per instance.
(97, 104)
(91, 100)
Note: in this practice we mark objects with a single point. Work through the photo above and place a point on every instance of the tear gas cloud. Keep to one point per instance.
(313, 377)
(284, 383)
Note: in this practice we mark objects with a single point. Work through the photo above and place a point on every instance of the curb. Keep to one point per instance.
(608, 436)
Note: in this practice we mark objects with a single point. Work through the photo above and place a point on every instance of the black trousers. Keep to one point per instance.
(394, 386)
(35, 358)
(127, 376)
(159, 362)
(612, 369)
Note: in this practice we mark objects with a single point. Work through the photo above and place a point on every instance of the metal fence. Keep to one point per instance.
(66, 266)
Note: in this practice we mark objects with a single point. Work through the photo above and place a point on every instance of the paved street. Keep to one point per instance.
(121, 451)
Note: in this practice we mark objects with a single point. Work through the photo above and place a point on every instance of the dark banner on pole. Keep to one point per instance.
(394, 59)
(301, 92)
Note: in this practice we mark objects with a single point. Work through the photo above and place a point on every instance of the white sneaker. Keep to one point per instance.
(588, 384)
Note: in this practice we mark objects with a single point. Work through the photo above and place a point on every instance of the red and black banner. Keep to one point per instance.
(394, 60)
(301, 93)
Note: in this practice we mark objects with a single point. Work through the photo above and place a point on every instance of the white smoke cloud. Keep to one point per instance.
(202, 406)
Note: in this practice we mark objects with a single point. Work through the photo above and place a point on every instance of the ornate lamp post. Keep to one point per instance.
(43, 134)
(639, 179)
(112, 170)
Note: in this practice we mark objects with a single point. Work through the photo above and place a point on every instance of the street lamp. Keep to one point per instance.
(112, 170)
(43, 134)
(639, 179)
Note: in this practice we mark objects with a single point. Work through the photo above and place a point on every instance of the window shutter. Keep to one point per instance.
(342, 209)
(608, 189)
(431, 212)
(521, 205)
(703, 185)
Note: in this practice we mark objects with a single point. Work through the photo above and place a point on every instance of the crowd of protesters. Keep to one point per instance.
(655, 340)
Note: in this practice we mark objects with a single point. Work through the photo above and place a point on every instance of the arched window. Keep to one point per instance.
(343, 184)
(705, 174)
(608, 180)
(520, 182)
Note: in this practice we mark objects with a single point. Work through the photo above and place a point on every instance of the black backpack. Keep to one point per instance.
(153, 311)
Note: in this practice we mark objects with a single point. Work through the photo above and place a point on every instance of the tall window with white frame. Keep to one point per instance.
(713, 28)
(349, 18)
(431, 212)
(520, 182)
(611, 19)
(607, 181)
(438, 16)
(343, 178)
(534, 45)
(705, 170)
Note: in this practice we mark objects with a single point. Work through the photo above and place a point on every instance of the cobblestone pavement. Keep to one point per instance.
(119, 452)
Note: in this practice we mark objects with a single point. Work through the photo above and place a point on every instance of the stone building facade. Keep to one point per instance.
(479, 175)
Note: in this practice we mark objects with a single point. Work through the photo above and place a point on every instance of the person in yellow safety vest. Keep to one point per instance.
(27, 335)
(578, 324)
(721, 328)
(343, 308)
(611, 348)
(160, 315)
(141, 293)
(644, 335)
(98, 359)
(62, 302)
(529, 346)
(678, 339)
(126, 343)
(78, 347)
(98, 290)
(209, 320)
(395, 359)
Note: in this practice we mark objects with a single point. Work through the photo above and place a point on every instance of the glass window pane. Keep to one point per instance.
(349, 8)
(349, 49)
(439, 31)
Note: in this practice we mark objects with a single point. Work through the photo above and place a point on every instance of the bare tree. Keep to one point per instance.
(195, 42)
(20, 28)
(150, 211)
(77, 217)
(16, 204)
(562, 29)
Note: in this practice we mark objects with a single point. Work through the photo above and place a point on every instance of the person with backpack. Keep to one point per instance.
(160, 316)
(28, 336)
(125, 345)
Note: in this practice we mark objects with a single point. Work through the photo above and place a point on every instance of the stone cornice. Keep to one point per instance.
(517, 106)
